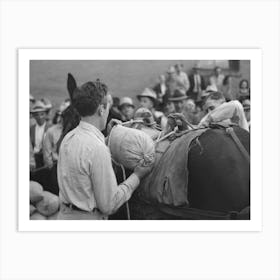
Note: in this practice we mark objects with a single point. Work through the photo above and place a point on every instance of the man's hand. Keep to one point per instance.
(111, 124)
(143, 168)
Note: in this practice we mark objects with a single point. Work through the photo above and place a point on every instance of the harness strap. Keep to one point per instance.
(231, 132)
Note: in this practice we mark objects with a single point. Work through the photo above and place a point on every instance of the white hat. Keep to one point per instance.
(148, 93)
(38, 106)
(47, 103)
(126, 101)
(31, 98)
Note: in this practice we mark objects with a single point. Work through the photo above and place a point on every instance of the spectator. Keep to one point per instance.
(114, 112)
(190, 112)
(178, 99)
(171, 82)
(32, 164)
(50, 150)
(31, 104)
(126, 109)
(219, 111)
(197, 84)
(244, 90)
(161, 91)
(37, 131)
(217, 78)
(51, 138)
(183, 83)
(227, 88)
(148, 100)
(247, 109)
(169, 108)
(48, 106)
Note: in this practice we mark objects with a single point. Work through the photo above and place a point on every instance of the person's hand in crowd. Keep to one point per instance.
(111, 124)
(144, 168)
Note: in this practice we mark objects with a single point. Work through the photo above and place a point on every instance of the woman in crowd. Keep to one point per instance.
(244, 90)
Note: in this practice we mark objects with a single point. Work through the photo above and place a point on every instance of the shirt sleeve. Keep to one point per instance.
(47, 149)
(229, 110)
(108, 195)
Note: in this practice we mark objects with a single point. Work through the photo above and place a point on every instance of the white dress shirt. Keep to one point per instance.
(197, 83)
(39, 136)
(85, 173)
(228, 112)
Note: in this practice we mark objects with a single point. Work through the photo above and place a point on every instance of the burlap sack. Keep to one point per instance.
(36, 192)
(131, 146)
(37, 216)
(48, 205)
(32, 209)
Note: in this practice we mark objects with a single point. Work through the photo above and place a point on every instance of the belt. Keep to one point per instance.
(74, 207)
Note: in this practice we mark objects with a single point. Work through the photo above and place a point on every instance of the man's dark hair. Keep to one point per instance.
(88, 97)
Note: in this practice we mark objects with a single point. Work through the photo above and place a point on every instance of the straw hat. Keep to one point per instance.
(38, 106)
(126, 101)
(148, 93)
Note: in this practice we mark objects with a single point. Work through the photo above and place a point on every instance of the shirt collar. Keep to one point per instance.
(91, 128)
(41, 126)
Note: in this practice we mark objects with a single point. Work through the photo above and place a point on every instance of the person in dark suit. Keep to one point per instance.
(197, 84)
(161, 91)
(37, 131)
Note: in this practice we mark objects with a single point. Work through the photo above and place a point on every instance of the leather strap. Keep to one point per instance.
(231, 132)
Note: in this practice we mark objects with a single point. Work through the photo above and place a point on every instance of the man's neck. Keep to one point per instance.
(92, 120)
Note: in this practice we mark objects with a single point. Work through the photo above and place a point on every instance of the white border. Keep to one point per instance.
(24, 57)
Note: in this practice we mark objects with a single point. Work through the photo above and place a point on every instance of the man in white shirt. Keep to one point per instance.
(87, 184)
(219, 111)
(37, 132)
(182, 78)
(217, 79)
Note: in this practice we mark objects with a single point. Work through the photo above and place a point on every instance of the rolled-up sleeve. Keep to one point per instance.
(229, 110)
(108, 194)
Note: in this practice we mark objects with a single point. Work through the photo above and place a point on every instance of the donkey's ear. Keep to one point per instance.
(71, 85)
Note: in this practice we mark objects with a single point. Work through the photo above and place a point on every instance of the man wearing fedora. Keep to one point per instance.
(197, 84)
(38, 130)
(178, 99)
(185, 105)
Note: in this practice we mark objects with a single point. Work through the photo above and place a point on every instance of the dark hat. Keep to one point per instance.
(178, 96)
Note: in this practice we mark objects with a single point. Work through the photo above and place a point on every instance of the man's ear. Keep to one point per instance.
(100, 110)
